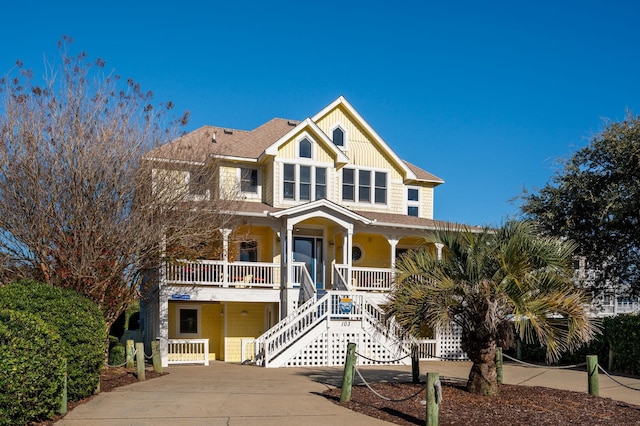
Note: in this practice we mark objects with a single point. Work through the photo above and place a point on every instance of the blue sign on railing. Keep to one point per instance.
(181, 297)
(346, 305)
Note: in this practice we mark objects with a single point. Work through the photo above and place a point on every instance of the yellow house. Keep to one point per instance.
(325, 206)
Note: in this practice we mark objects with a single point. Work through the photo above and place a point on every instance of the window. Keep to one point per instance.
(249, 180)
(348, 185)
(304, 147)
(371, 186)
(381, 188)
(321, 183)
(248, 251)
(338, 137)
(356, 253)
(304, 183)
(413, 202)
(197, 183)
(289, 190)
(364, 186)
(188, 321)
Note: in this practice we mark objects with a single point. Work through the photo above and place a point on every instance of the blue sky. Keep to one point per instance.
(486, 95)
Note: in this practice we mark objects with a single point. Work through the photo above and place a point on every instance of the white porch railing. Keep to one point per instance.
(222, 274)
(188, 351)
(427, 349)
(371, 279)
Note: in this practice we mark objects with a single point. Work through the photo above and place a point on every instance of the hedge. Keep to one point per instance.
(31, 369)
(79, 322)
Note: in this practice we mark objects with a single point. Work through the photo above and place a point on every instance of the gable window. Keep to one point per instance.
(338, 137)
(304, 183)
(413, 202)
(249, 180)
(304, 148)
(371, 185)
(188, 321)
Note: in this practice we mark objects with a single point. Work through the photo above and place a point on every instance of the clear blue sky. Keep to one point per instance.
(486, 95)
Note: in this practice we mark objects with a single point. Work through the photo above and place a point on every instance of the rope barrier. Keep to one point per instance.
(382, 361)
(384, 397)
(552, 367)
(124, 363)
(611, 377)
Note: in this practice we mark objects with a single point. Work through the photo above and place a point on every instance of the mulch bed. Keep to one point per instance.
(110, 379)
(515, 405)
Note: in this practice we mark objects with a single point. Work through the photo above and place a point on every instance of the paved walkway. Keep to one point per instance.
(234, 395)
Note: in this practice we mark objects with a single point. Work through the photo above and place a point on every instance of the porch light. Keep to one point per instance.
(244, 313)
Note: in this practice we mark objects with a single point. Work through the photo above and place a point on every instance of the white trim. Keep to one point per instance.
(342, 101)
(249, 195)
(372, 193)
(345, 135)
(313, 166)
(312, 141)
(410, 203)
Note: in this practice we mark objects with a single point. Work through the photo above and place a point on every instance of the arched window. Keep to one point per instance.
(338, 137)
(305, 148)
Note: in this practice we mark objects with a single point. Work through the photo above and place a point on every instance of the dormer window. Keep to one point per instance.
(305, 148)
(413, 202)
(338, 137)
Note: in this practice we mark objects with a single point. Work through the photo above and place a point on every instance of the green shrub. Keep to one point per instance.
(117, 355)
(79, 322)
(31, 369)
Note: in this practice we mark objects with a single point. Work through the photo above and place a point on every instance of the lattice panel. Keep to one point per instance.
(330, 349)
(449, 340)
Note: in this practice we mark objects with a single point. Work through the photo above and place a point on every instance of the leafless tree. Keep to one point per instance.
(79, 206)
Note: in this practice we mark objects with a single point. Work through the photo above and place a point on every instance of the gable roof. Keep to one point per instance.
(205, 142)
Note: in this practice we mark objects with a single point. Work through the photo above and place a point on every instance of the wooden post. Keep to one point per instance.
(519, 349)
(140, 360)
(63, 399)
(415, 364)
(592, 375)
(499, 371)
(349, 372)
(431, 418)
(610, 363)
(155, 355)
(129, 350)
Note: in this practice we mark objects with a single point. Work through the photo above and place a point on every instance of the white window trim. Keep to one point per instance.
(257, 239)
(249, 195)
(345, 135)
(313, 142)
(313, 165)
(410, 203)
(372, 190)
(199, 319)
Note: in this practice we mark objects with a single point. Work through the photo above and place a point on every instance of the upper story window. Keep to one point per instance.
(304, 148)
(248, 251)
(371, 186)
(303, 183)
(198, 185)
(338, 137)
(413, 202)
(249, 180)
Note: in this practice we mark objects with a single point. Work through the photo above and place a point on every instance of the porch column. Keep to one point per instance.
(348, 251)
(163, 322)
(225, 256)
(393, 242)
(439, 250)
(287, 283)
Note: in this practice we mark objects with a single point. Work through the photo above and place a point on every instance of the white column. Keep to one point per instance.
(163, 319)
(393, 242)
(225, 256)
(439, 250)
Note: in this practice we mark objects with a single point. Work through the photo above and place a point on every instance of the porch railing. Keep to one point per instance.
(188, 351)
(223, 274)
(363, 279)
(427, 349)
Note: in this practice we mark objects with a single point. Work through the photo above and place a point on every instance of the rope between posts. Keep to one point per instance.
(621, 384)
(382, 361)
(553, 367)
(384, 397)
(124, 363)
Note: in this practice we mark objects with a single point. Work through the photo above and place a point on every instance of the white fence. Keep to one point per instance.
(188, 351)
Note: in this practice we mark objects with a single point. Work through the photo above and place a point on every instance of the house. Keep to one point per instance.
(324, 207)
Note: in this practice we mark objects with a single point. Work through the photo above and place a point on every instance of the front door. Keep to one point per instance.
(309, 251)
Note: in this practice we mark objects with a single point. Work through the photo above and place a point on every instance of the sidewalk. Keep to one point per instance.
(231, 394)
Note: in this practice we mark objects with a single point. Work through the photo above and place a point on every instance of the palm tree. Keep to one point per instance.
(487, 282)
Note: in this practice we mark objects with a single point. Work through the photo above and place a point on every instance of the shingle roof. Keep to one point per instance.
(422, 174)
